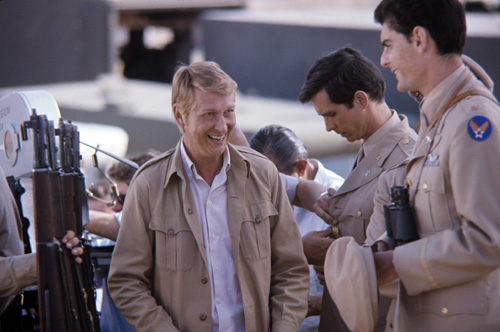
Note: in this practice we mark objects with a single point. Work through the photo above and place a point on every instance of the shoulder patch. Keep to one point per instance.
(479, 128)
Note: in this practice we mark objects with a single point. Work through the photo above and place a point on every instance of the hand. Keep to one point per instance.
(386, 271)
(380, 246)
(73, 243)
(313, 305)
(316, 245)
(321, 207)
(320, 272)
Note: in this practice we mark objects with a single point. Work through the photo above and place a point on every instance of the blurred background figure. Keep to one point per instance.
(101, 197)
(104, 224)
(290, 156)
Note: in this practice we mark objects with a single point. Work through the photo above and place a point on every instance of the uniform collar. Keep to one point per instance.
(441, 94)
(373, 142)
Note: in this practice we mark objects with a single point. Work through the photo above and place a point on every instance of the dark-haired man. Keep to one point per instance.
(347, 90)
(450, 278)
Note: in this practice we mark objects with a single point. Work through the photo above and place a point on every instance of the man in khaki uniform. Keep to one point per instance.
(450, 277)
(208, 240)
(347, 90)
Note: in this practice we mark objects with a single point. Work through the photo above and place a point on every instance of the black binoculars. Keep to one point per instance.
(399, 221)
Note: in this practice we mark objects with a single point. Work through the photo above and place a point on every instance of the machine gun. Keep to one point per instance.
(66, 295)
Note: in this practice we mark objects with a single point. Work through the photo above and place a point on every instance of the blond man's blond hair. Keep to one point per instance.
(205, 76)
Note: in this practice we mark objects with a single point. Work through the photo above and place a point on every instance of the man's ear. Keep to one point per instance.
(178, 117)
(420, 38)
(361, 99)
(301, 166)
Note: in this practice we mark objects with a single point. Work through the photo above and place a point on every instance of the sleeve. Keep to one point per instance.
(377, 227)
(469, 248)
(118, 217)
(290, 184)
(130, 275)
(289, 270)
(17, 273)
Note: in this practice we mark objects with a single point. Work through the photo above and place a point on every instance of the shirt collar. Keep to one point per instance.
(441, 94)
(371, 143)
(190, 168)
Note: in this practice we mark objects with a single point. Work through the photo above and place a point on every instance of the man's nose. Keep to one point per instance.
(330, 125)
(384, 61)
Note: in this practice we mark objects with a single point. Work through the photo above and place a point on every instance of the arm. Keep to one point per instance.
(238, 137)
(316, 245)
(19, 272)
(289, 270)
(470, 249)
(307, 193)
(322, 205)
(377, 227)
(103, 224)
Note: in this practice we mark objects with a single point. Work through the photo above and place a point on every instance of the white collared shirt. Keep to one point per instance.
(211, 205)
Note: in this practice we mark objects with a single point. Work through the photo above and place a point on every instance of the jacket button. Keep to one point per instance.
(444, 310)
(359, 214)
(406, 141)
(204, 280)
(170, 231)
(203, 317)
(190, 211)
(258, 219)
(425, 186)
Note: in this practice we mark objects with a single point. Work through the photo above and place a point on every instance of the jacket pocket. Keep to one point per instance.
(175, 244)
(354, 217)
(434, 211)
(256, 230)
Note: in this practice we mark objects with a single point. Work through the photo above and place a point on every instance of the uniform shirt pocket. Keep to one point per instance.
(434, 211)
(175, 244)
(256, 230)
(354, 217)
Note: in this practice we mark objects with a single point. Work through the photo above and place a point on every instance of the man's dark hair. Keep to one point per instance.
(342, 73)
(281, 145)
(444, 19)
(122, 172)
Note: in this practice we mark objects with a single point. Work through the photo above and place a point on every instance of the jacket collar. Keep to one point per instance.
(175, 166)
(372, 164)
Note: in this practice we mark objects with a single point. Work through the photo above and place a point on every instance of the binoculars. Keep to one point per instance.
(399, 221)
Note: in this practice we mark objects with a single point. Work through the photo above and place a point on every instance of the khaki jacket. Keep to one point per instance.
(352, 204)
(451, 276)
(158, 276)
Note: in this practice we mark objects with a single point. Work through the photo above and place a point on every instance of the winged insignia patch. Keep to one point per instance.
(479, 128)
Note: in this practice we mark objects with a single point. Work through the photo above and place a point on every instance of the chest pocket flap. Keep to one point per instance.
(256, 230)
(174, 242)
